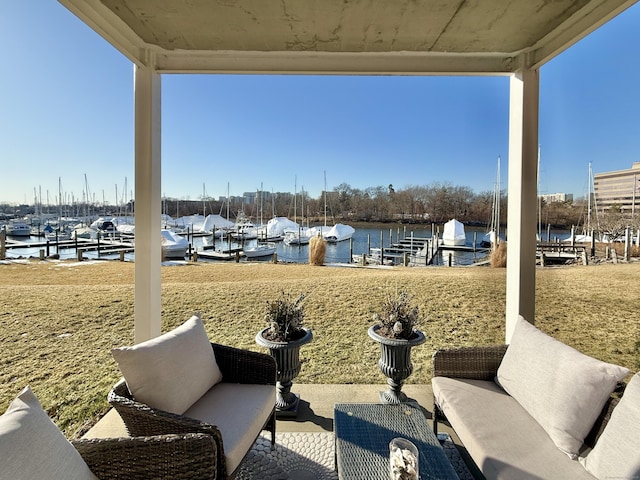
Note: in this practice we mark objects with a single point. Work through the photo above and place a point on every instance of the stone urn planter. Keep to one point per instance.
(395, 330)
(283, 337)
(287, 357)
(395, 362)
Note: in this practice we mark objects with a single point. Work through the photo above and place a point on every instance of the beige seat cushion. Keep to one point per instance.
(172, 371)
(617, 452)
(239, 411)
(501, 437)
(32, 447)
(563, 389)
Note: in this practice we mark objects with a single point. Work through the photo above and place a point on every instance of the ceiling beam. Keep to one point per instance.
(110, 27)
(331, 63)
(581, 24)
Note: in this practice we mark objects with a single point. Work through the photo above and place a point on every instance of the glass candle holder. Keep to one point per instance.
(403, 460)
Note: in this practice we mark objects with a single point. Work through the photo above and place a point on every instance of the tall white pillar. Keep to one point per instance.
(522, 195)
(148, 250)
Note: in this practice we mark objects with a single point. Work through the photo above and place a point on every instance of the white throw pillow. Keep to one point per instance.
(170, 372)
(32, 447)
(617, 452)
(561, 388)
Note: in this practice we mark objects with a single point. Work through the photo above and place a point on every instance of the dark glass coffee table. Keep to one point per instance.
(363, 432)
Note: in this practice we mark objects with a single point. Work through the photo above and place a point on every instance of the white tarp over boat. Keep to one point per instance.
(216, 222)
(453, 233)
(279, 225)
(339, 232)
(173, 245)
(192, 222)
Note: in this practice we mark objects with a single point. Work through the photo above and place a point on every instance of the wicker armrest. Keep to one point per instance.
(244, 366)
(190, 456)
(143, 421)
(479, 363)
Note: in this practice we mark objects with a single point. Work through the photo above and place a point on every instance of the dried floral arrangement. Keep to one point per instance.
(398, 317)
(285, 318)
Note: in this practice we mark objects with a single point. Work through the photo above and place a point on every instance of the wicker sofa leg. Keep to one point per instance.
(438, 416)
(271, 425)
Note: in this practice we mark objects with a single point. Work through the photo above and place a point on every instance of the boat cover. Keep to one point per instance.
(453, 233)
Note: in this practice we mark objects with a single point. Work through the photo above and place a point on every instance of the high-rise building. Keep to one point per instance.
(620, 188)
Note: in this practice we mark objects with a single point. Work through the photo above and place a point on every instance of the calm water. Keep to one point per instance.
(363, 239)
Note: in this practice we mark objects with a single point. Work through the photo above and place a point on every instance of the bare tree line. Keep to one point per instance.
(433, 203)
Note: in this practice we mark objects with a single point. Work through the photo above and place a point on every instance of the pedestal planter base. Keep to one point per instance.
(390, 396)
(288, 407)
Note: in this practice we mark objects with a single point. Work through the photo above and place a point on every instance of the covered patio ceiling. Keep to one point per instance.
(343, 37)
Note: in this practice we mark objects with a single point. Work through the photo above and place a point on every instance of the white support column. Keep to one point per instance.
(522, 195)
(148, 250)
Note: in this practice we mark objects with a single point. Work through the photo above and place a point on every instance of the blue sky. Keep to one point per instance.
(66, 112)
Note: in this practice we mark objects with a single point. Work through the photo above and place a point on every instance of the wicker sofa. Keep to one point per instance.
(504, 439)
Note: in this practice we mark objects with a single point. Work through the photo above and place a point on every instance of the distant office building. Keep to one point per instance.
(249, 198)
(556, 197)
(620, 188)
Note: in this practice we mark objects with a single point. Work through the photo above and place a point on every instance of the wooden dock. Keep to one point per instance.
(80, 245)
(555, 253)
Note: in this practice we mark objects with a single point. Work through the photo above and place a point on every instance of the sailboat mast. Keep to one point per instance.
(589, 201)
(273, 205)
(539, 199)
(325, 198)
(302, 206)
(498, 198)
(228, 201)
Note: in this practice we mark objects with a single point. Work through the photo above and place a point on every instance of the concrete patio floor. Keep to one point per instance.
(315, 411)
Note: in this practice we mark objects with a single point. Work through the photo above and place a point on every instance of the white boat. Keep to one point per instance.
(453, 233)
(173, 245)
(261, 250)
(277, 228)
(244, 229)
(577, 238)
(191, 223)
(18, 228)
(57, 234)
(338, 233)
(299, 236)
(83, 232)
(372, 258)
(216, 224)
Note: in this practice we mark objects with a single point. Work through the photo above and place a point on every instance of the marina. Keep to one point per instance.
(401, 245)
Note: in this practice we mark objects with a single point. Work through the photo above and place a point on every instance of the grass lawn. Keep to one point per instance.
(59, 320)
